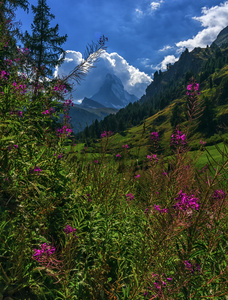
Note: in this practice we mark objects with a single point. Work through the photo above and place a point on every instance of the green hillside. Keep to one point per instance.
(209, 68)
(137, 137)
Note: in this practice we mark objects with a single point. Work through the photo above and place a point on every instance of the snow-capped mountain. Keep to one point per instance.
(112, 93)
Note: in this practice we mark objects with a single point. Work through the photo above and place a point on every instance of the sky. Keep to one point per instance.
(143, 35)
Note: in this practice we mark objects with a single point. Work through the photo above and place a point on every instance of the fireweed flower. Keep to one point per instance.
(68, 229)
(219, 195)
(46, 112)
(4, 74)
(188, 266)
(89, 197)
(202, 143)
(179, 138)
(118, 155)
(186, 202)
(106, 134)
(137, 176)
(60, 88)
(126, 146)
(158, 286)
(157, 207)
(21, 87)
(154, 136)
(19, 113)
(36, 169)
(45, 252)
(64, 130)
(60, 156)
(155, 157)
(68, 103)
(130, 196)
(193, 87)
(192, 267)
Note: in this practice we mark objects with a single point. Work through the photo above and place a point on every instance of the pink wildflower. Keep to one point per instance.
(130, 196)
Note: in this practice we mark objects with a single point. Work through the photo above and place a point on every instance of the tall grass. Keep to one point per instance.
(99, 228)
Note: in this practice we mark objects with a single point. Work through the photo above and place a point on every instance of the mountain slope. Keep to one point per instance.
(112, 93)
(138, 137)
(171, 84)
(89, 103)
(222, 38)
(83, 117)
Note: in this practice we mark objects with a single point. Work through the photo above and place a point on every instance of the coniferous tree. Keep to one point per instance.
(8, 28)
(44, 43)
(207, 121)
(176, 117)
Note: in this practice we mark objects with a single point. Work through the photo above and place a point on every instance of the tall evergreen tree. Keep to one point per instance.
(44, 43)
(8, 28)
(176, 117)
(208, 122)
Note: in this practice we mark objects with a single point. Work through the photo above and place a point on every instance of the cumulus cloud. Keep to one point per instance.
(138, 13)
(169, 59)
(134, 81)
(155, 5)
(213, 20)
(165, 48)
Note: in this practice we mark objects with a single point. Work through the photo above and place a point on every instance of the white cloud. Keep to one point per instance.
(134, 81)
(145, 62)
(155, 5)
(165, 48)
(213, 20)
(169, 59)
(72, 59)
(138, 12)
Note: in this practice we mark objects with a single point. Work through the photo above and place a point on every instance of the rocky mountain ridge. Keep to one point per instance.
(112, 93)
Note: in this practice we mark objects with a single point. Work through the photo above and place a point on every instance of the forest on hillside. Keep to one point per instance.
(170, 85)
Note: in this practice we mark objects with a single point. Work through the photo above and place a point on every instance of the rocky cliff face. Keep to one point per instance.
(89, 103)
(222, 38)
(112, 93)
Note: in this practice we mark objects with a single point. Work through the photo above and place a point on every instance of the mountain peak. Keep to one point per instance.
(113, 79)
(112, 93)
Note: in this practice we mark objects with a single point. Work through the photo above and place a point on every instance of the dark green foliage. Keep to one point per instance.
(44, 42)
(207, 121)
(9, 28)
(176, 117)
(223, 92)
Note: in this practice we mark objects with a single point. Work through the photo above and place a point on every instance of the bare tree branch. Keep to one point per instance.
(92, 54)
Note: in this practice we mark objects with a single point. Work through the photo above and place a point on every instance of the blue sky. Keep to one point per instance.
(143, 35)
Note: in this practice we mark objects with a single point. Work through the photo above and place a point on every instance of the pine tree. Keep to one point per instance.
(208, 122)
(176, 117)
(44, 43)
(8, 28)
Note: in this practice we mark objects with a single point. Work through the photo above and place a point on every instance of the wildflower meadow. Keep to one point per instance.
(103, 226)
